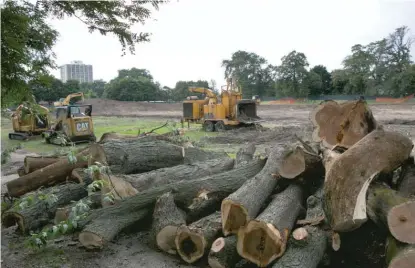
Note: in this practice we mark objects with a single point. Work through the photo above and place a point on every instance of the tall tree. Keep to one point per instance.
(324, 82)
(27, 40)
(292, 75)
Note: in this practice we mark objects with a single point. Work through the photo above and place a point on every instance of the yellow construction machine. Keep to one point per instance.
(70, 99)
(29, 120)
(73, 123)
(220, 113)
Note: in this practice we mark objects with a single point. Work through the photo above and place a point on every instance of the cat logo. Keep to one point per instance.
(82, 126)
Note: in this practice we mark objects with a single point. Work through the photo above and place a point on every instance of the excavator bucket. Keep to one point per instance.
(247, 112)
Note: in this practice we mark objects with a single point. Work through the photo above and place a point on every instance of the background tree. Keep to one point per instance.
(27, 40)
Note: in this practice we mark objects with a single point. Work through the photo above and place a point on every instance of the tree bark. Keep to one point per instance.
(193, 241)
(264, 239)
(54, 173)
(342, 124)
(79, 175)
(21, 172)
(105, 228)
(223, 253)
(137, 156)
(406, 184)
(399, 255)
(39, 213)
(183, 191)
(167, 218)
(244, 204)
(307, 245)
(163, 176)
(304, 252)
(32, 163)
(390, 210)
(345, 199)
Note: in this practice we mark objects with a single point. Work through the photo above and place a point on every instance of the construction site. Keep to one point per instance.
(235, 183)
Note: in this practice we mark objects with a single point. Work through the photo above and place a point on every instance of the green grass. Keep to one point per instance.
(122, 125)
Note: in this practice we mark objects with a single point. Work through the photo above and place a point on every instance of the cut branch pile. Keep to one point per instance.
(291, 209)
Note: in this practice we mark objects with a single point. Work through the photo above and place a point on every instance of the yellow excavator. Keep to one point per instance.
(220, 113)
(73, 122)
(29, 120)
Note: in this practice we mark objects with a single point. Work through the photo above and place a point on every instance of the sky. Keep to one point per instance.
(190, 38)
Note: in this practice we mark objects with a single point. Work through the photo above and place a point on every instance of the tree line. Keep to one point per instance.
(383, 67)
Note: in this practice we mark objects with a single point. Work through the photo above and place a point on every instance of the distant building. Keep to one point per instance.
(77, 70)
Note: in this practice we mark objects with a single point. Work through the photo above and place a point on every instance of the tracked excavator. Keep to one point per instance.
(29, 120)
(221, 113)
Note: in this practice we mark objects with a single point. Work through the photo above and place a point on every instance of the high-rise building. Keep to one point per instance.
(77, 70)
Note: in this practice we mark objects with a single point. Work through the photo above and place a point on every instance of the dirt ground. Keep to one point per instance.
(133, 250)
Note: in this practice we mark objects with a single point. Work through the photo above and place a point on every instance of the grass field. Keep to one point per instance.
(122, 125)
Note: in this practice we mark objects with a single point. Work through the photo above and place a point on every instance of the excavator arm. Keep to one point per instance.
(68, 99)
(209, 93)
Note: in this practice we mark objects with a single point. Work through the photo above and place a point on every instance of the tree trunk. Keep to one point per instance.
(193, 241)
(105, 228)
(163, 176)
(223, 253)
(54, 173)
(40, 212)
(63, 213)
(137, 156)
(345, 199)
(79, 175)
(32, 163)
(406, 184)
(342, 124)
(183, 191)
(399, 255)
(307, 245)
(206, 203)
(167, 218)
(244, 204)
(305, 250)
(264, 239)
(390, 210)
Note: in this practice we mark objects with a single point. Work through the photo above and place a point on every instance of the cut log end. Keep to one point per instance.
(190, 244)
(300, 234)
(214, 263)
(90, 240)
(406, 259)
(218, 245)
(293, 164)
(10, 218)
(401, 222)
(165, 239)
(260, 243)
(335, 241)
(234, 216)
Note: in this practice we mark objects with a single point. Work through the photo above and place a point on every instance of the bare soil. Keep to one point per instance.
(133, 250)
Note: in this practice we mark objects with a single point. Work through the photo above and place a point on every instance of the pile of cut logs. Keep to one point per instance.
(288, 209)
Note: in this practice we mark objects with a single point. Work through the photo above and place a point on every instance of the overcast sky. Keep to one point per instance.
(192, 37)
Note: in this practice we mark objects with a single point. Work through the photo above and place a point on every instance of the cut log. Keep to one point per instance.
(350, 174)
(264, 239)
(406, 185)
(245, 154)
(115, 187)
(342, 124)
(184, 192)
(32, 163)
(306, 248)
(399, 255)
(167, 218)
(329, 156)
(206, 203)
(79, 175)
(40, 212)
(54, 173)
(389, 209)
(21, 172)
(223, 253)
(136, 156)
(164, 176)
(103, 230)
(193, 241)
(64, 213)
(244, 204)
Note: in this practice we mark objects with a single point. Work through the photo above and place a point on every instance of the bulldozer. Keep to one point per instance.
(29, 120)
(224, 112)
(73, 123)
